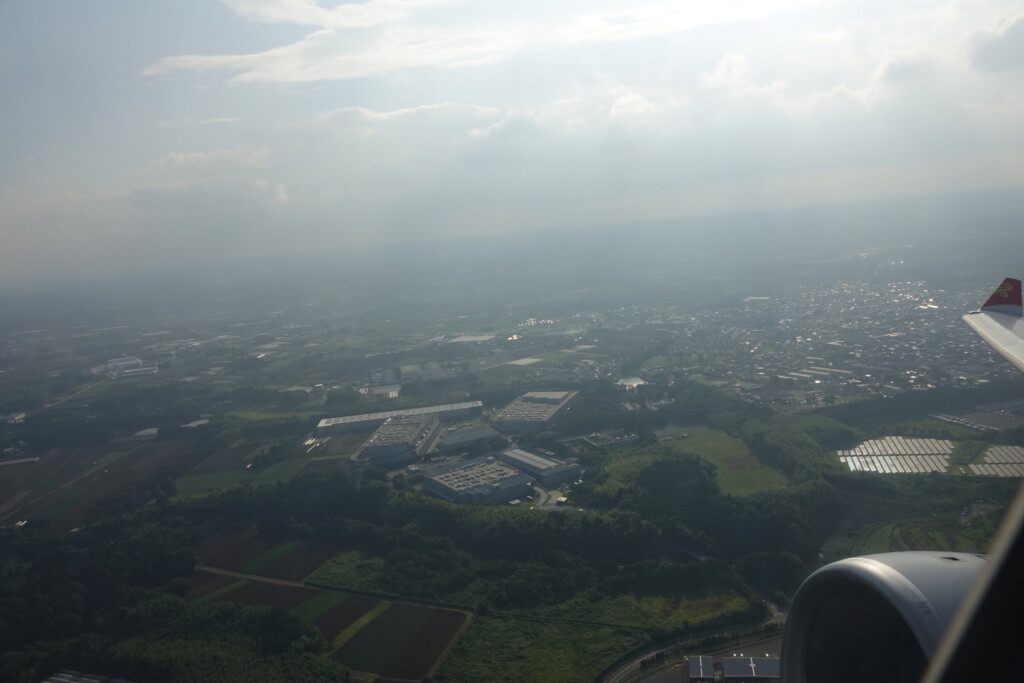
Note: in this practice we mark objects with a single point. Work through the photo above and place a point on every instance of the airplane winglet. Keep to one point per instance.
(1005, 299)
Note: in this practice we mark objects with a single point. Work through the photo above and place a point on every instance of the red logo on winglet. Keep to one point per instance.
(1006, 295)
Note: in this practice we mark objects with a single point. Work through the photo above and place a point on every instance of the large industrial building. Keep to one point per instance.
(335, 425)
(483, 480)
(399, 439)
(457, 439)
(532, 412)
(546, 471)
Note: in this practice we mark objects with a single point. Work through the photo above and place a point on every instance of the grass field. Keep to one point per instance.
(108, 459)
(874, 538)
(556, 355)
(499, 648)
(350, 570)
(950, 534)
(658, 362)
(739, 473)
(646, 612)
(282, 471)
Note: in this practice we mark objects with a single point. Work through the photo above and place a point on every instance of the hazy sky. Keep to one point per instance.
(148, 132)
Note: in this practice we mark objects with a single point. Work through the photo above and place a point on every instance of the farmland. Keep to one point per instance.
(65, 483)
(383, 637)
(242, 549)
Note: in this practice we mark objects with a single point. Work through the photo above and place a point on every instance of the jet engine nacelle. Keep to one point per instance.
(874, 618)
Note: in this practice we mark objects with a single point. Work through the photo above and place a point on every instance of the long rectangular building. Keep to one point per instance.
(533, 411)
(478, 481)
(335, 425)
(397, 440)
(547, 472)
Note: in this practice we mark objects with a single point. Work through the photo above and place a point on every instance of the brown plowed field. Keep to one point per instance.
(232, 548)
(69, 507)
(300, 561)
(378, 645)
(343, 615)
(427, 645)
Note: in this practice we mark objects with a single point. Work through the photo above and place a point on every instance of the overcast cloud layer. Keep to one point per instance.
(195, 130)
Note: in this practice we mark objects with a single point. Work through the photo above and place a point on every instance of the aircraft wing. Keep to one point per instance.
(999, 322)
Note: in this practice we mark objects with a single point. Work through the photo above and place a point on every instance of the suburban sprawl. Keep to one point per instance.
(539, 481)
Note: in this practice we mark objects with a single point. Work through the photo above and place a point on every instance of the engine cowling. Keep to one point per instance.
(874, 618)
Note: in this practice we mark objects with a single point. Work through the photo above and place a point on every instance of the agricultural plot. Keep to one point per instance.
(65, 484)
(242, 549)
(404, 641)
(233, 548)
(298, 561)
(227, 460)
(282, 471)
(350, 570)
(501, 648)
(630, 610)
(272, 595)
(340, 617)
(380, 637)
(208, 583)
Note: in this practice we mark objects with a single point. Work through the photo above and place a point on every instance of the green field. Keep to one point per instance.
(500, 648)
(556, 355)
(666, 613)
(739, 473)
(948, 534)
(352, 570)
(108, 459)
(282, 471)
(658, 362)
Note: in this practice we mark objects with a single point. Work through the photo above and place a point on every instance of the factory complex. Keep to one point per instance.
(532, 412)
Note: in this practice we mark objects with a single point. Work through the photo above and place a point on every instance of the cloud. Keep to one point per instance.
(245, 155)
(904, 68)
(345, 15)
(224, 119)
(1000, 50)
(216, 193)
(357, 40)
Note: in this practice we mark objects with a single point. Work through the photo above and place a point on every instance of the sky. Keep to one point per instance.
(144, 134)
